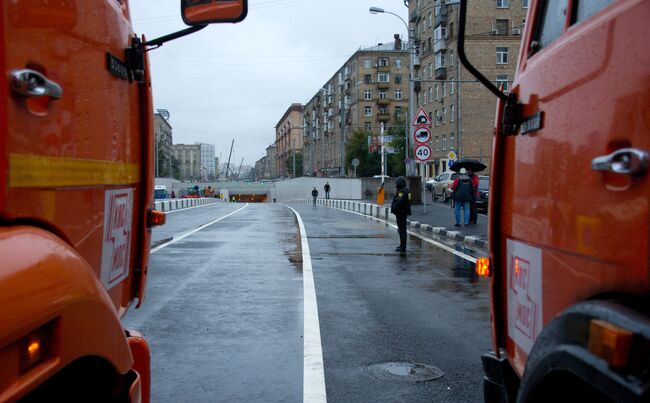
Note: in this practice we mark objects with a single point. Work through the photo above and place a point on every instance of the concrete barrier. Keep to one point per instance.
(176, 204)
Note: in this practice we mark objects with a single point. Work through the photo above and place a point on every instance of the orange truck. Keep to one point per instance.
(569, 210)
(76, 195)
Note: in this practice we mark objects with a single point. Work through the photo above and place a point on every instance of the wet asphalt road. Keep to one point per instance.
(224, 309)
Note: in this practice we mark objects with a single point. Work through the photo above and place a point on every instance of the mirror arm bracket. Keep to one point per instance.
(463, 57)
(158, 42)
(134, 55)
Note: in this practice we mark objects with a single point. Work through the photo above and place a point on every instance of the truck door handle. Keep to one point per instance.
(625, 161)
(31, 83)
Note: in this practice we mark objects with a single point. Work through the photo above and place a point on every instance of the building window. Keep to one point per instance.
(368, 111)
(502, 3)
(444, 141)
(383, 77)
(382, 61)
(524, 3)
(368, 126)
(382, 94)
(430, 72)
(440, 60)
(398, 111)
(430, 98)
(398, 63)
(502, 80)
(367, 95)
(367, 63)
(444, 89)
(502, 55)
(398, 79)
(501, 27)
(383, 110)
(451, 141)
(452, 85)
(367, 78)
(452, 113)
(437, 144)
(444, 115)
(398, 94)
(438, 118)
(437, 92)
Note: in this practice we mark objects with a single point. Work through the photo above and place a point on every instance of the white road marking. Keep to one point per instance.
(156, 249)
(313, 386)
(431, 241)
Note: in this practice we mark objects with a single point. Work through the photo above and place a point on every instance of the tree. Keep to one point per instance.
(289, 164)
(357, 147)
(396, 164)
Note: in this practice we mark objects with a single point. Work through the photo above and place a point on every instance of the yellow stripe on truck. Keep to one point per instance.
(27, 171)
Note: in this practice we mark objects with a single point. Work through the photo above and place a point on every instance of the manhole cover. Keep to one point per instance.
(405, 371)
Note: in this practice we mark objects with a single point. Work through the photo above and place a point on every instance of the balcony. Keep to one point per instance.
(383, 84)
(383, 117)
(383, 101)
(441, 18)
(414, 15)
(441, 73)
(440, 45)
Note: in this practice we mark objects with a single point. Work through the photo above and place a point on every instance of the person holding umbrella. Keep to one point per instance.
(471, 166)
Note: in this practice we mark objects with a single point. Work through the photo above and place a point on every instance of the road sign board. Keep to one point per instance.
(422, 152)
(421, 119)
(450, 163)
(451, 155)
(422, 134)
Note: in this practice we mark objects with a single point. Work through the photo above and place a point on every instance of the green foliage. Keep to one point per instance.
(396, 165)
(357, 147)
(289, 164)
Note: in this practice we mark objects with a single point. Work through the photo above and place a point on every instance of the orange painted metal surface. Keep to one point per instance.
(64, 154)
(44, 280)
(591, 228)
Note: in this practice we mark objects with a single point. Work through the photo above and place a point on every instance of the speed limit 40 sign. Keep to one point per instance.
(422, 152)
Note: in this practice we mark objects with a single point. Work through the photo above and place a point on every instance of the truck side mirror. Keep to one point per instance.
(201, 12)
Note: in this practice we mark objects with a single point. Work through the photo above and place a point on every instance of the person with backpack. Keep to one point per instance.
(463, 191)
(401, 207)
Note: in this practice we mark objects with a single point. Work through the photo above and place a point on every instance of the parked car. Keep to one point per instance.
(429, 185)
(441, 186)
(483, 191)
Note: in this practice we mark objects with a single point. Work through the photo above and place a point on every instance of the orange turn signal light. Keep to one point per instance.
(610, 342)
(155, 218)
(483, 266)
(34, 347)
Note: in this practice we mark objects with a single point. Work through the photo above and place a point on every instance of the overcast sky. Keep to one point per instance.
(235, 81)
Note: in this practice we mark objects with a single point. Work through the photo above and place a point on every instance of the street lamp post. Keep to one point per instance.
(411, 46)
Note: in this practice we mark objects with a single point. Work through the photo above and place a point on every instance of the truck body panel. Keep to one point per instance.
(566, 229)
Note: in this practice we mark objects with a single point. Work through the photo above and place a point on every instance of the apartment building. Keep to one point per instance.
(288, 141)
(189, 158)
(208, 167)
(461, 109)
(162, 144)
(369, 89)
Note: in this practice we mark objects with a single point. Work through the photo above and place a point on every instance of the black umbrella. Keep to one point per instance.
(472, 165)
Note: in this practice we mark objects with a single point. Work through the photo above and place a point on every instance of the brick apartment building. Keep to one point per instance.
(288, 140)
(461, 109)
(370, 88)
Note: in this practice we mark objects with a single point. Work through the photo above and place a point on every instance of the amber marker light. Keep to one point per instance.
(610, 342)
(156, 218)
(483, 266)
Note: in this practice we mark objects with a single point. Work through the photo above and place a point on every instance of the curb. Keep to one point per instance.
(383, 212)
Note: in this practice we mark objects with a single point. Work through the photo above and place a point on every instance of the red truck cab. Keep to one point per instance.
(76, 197)
(569, 211)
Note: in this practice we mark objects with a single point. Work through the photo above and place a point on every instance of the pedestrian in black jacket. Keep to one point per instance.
(401, 207)
(314, 194)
